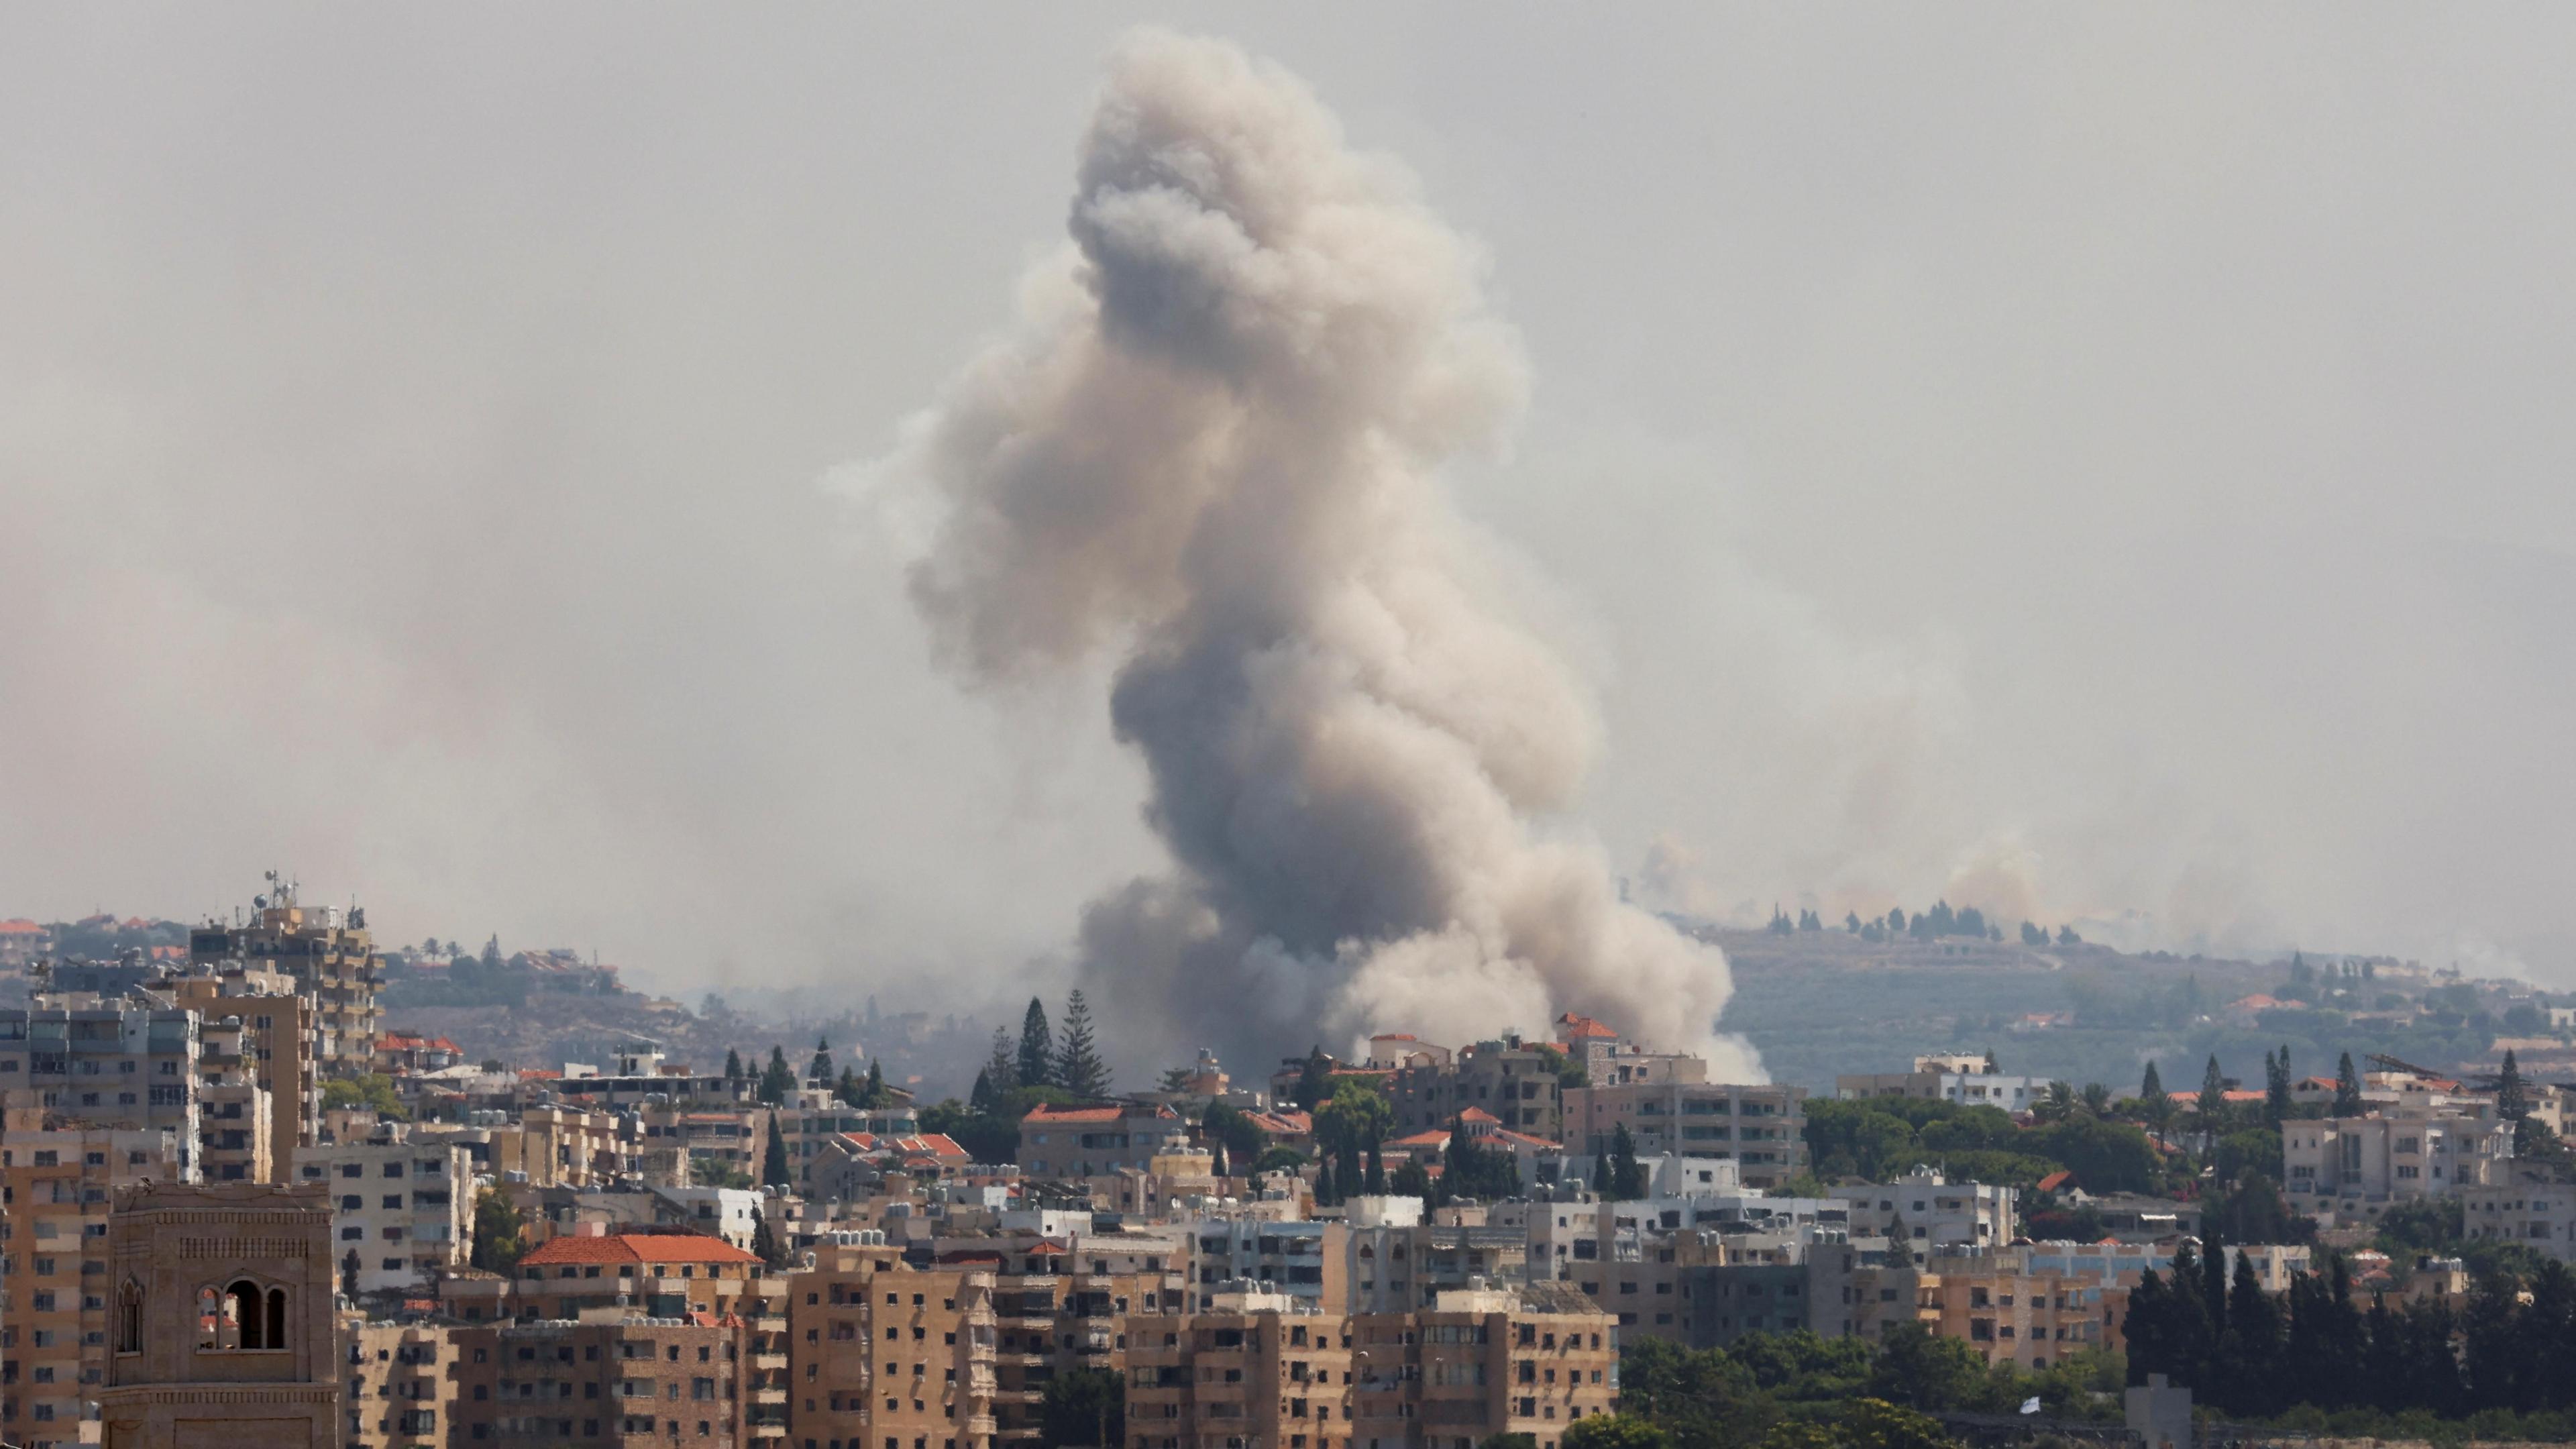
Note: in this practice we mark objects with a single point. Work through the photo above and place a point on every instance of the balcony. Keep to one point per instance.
(777, 1361)
(768, 1394)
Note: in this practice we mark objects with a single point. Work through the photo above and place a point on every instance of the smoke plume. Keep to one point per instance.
(1212, 448)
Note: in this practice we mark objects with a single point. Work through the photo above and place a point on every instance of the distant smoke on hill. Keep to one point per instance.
(1212, 447)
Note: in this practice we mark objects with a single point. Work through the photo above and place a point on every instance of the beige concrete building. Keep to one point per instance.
(1761, 1128)
(326, 952)
(58, 1187)
(879, 1352)
(2349, 1169)
(273, 1047)
(400, 1210)
(610, 1379)
(124, 1067)
(1255, 1369)
(221, 1327)
(403, 1383)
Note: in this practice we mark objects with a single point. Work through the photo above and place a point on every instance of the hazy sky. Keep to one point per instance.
(2083, 463)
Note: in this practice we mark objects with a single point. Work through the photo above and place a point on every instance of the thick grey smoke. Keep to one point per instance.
(1214, 445)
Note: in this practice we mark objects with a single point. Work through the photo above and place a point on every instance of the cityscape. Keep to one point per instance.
(1348, 727)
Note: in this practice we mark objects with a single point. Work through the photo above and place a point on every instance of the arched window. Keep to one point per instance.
(210, 1318)
(242, 1299)
(129, 1322)
(277, 1318)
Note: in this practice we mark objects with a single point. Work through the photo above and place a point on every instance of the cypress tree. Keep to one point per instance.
(2153, 1105)
(1078, 1067)
(874, 1096)
(773, 1160)
(1036, 1067)
(2347, 1098)
(2513, 1100)
(733, 1065)
(1900, 1243)
(1375, 1183)
(2213, 1103)
(1324, 1193)
(778, 1080)
(820, 1069)
(1601, 1176)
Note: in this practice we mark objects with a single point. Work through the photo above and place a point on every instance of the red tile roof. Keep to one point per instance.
(1479, 1115)
(2056, 1180)
(636, 1248)
(1044, 1112)
(1574, 1027)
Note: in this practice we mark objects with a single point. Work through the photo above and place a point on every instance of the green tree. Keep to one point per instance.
(778, 1080)
(820, 1068)
(733, 1065)
(773, 1159)
(1355, 1119)
(2513, 1099)
(1923, 1370)
(2154, 1107)
(1627, 1175)
(1224, 1125)
(1078, 1067)
(1314, 1081)
(1036, 1066)
(369, 1093)
(1900, 1243)
(874, 1094)
(2347, 1097)
(2211, 1107)
(1878, 1424)
(1412, 1179)
(1615, 1431)
(1001, 1068)
(765, 1245)
(500, 1232)
(1083, 1407)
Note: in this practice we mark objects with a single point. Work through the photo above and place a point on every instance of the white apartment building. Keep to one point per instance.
(2350, 1168)
(1937, 1212)
(400, 1210)
(2539, 1215)
(1945, 1077)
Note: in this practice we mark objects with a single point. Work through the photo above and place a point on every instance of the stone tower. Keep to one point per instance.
(221, 1330)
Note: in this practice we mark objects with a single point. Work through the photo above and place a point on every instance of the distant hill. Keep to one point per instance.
(1820, 1003)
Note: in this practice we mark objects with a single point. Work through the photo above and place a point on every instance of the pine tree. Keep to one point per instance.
(733, 1065)
(1601, 1176)
(1001, 1072)
(1900, 1243)
(874, 1095)
(1036, 1066)
(2347, 1098)
(2276, 1087)
(1078, 1067)
(2513, 1100)
(981, 1100)
(820, 1069)
(764, 1243)
(2213, 1102)
(846, 1088)
(1374, 1183)
(773, 1161)
(2153, 1105)
(778, 1080)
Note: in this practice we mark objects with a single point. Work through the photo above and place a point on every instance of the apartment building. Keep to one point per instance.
(268, 1041)
(2349, 1169)
(403, 1382)
(883, 1352)
(635, 1381)
(132, 1068)
(1517, 1082)
(328, 955)
(1960, 1077)
(238, 1142)
(1762, 1129)
(560, 1146)
(57, 1189)
(661, 1274)
(2540, 1216)
(401, 1211)
(1063, 1142)
(2032, 1319)
(1257, 1368)
(1936, 1212)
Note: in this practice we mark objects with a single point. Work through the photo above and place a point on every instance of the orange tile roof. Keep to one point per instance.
(1572, 1026)
(1045, 1112)
(2056, 1180)
(1479, 1114)
(636, 1248)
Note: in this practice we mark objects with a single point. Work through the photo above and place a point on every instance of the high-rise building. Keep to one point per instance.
(58, 1188)
(115, 1066)
(326, 952)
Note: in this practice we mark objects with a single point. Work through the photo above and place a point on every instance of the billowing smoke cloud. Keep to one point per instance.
(1214, 446)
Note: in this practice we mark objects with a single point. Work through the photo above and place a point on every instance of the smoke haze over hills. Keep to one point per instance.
(2087, 465)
